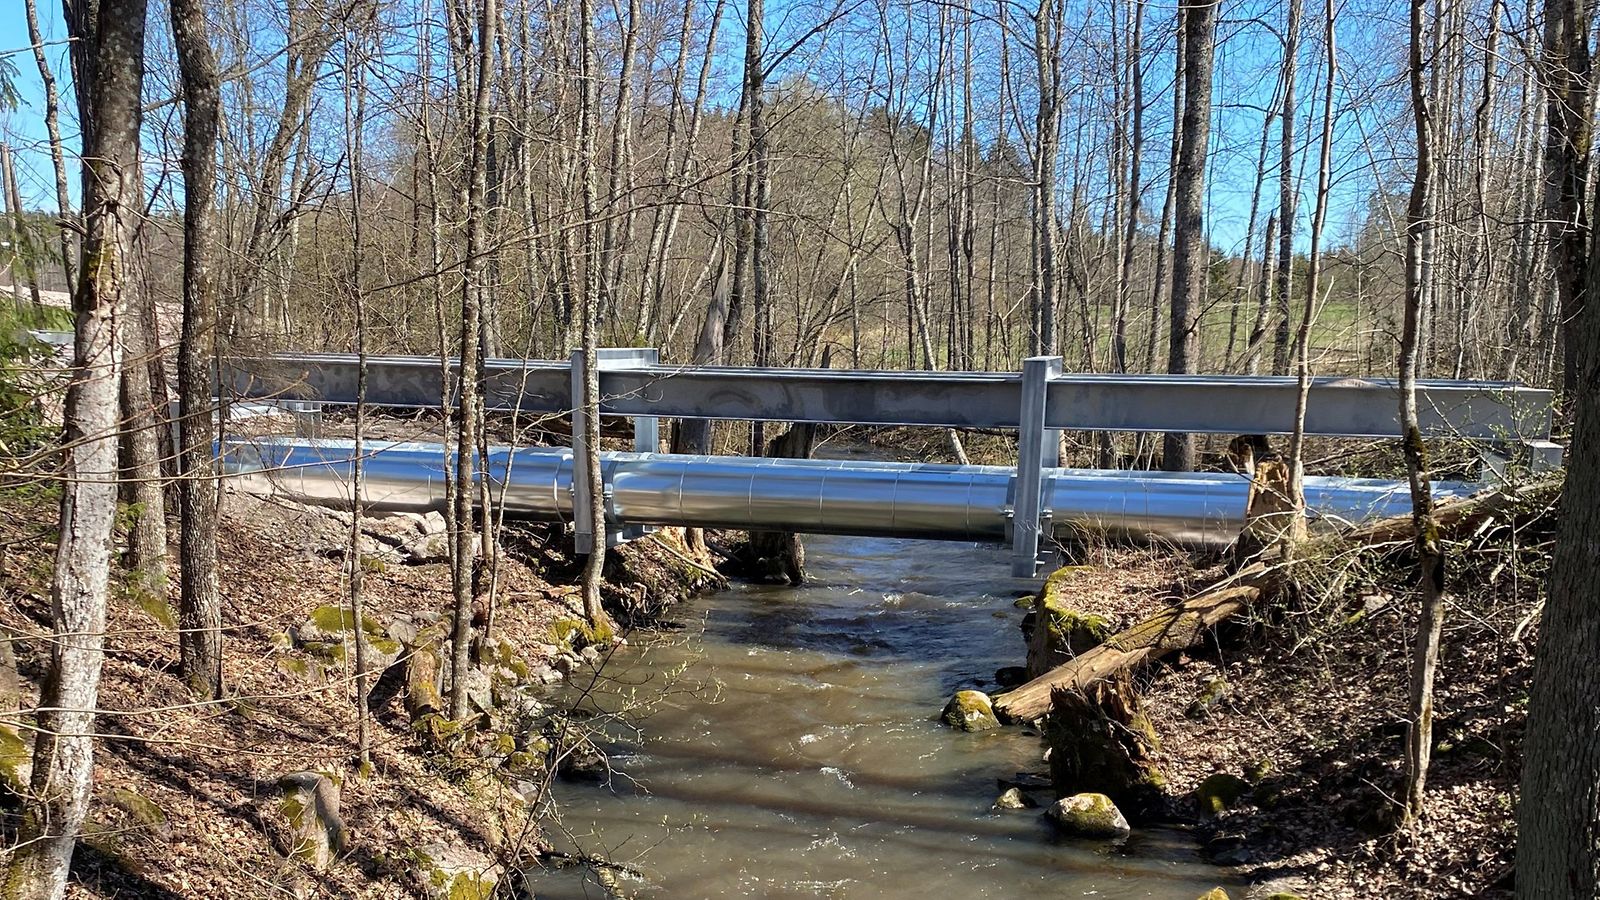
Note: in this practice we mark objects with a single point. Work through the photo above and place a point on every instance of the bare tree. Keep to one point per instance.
(589, 465)
(1190, 249)
(1430, 553)
(468, 410)
(1569, 127)
(52, 124)
(110, 38)
(1557, 855)
(199, 604)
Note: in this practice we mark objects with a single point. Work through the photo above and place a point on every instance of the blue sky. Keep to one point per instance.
(1249, 54)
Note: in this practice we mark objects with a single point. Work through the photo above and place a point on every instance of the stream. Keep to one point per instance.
(783, 743)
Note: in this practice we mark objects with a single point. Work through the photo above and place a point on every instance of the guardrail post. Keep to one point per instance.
(1038, 448)
(646, 434)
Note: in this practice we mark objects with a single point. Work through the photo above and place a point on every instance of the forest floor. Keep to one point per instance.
(1306, 704)
(185, 792)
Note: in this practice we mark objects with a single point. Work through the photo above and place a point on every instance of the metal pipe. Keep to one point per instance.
(912, 500)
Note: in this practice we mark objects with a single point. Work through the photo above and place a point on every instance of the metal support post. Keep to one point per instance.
(646, 433)
(1038, 448)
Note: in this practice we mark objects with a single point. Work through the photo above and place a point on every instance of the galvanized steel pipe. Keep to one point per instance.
(912, 500)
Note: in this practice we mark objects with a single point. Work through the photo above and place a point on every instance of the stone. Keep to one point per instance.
(141, 810)
(1215, 691)
(970, 711)
(1059, 631)
(309, 806)
(573, 754)
(428, 550)
(16, 761)
(480, 691)
(1219, 792)
(1215, 893)
(1014, 799)
(1010, 676)
(327, 635)
(452, 872)
(1089, 816)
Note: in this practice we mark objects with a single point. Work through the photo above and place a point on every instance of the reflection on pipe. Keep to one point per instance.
(912, 500)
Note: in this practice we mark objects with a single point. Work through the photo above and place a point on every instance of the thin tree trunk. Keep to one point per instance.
(1302, 341)
(1190, 250)
(355, 101)
(52, 124)
(1287, 201)
(468, 414)
(199, 603)
(1430, 553)
(589, 465)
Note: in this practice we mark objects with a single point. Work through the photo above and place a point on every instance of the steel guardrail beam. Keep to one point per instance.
(1338, 407)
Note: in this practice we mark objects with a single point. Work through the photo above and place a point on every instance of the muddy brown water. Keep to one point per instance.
(783, 743)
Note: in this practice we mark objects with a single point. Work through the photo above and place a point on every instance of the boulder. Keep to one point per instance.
(573, 754)
(309, 809)
(1215, 691)
(970, 711)
(1059, 631)
(329, 631)
(1010, 676)
(1219, 792)
(452, 872)
(1014, 799)
(16, 762)
(1089, 816)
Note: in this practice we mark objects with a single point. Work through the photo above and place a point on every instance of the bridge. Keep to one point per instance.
(1023, 505)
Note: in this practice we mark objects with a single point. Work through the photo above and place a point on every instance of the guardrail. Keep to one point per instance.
(1039, 402)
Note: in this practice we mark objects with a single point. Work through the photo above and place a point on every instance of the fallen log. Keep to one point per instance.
(1185, 624)
(1177, 627)
(1456, 517)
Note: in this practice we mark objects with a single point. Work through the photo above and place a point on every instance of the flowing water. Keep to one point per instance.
(783, 743)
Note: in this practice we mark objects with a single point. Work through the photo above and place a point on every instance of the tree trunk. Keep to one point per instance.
(1190, 252)
(199, 603)
(146, 559)
(1557, 853)
(52, 124)
(63, 760)
(468, 412)
(1430, 552)
(589, 465)
(1566, 163)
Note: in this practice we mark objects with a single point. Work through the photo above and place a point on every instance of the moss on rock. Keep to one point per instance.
(576, 634)
(970, 711)
(1089, 816)
(455, 873)
(16, 761)
(1059, 630)
(1219, 792)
